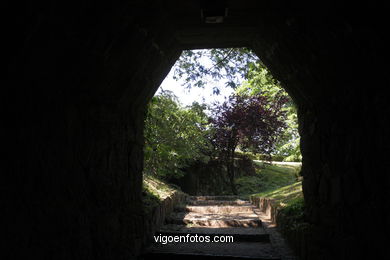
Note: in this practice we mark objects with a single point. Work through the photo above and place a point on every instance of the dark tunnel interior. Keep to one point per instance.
(80, 76)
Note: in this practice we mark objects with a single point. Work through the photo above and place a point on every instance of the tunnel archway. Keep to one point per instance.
(79, 81)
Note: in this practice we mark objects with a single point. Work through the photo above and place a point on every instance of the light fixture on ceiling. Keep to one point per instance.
(213, 11)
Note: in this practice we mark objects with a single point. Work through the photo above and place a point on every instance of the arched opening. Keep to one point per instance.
(79, 82)
(214, 151)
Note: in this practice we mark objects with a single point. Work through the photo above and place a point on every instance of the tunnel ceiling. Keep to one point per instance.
(237, 22)
(81, 74)
(289, 39)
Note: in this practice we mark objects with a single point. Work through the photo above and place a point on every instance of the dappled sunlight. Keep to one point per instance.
(216, 148)
(284, 194)
(157, 187)
(82, 124)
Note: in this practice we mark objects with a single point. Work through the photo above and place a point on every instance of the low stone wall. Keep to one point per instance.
(156, 219)
(265, 205)
(211, 178)
(298, 238)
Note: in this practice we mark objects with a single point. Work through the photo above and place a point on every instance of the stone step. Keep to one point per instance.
(215, 220)
(218, 202)
(236, 250)
(238, 234)
(196, 256)
(219, 209)
(223, 197)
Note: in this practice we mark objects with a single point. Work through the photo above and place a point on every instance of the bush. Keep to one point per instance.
(277, 158)
(246, 155)
(293, 158)
(260, 157)
(175, 137)
(245, 166)
(292, 216)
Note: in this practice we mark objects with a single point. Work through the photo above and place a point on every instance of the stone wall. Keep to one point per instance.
(298, 237)
(79, 76)
(340, 122)
(267, 206)
(211, 178)
(156, 219)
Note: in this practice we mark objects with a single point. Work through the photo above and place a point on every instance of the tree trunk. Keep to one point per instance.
(230, 171)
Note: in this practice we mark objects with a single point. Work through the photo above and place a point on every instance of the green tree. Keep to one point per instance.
(243, 71)
(175, 137)
(261, 82)
(249, 121)
(231, 64)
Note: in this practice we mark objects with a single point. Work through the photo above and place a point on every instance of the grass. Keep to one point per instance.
(281, 184)
(287, 198)
(284, 196)
(154, 191)
(268, 178)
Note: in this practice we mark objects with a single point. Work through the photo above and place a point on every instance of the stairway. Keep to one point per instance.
(214, 216)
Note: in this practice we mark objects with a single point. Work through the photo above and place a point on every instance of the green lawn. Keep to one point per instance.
(268, 178)
(273, 181)
(285, 195)
(288, 197)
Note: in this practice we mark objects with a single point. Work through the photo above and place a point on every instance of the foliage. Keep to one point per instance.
(250, 155)
(261, 82)
(251, 122)
(232, 64)
(174, 136)
(291, 147)
(236, 65)
(261, 157)
(292, 217)
(295, 208)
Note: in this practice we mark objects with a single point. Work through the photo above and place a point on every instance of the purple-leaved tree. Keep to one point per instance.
(253, 123)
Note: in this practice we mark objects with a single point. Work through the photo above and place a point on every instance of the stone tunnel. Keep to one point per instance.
(80, 75)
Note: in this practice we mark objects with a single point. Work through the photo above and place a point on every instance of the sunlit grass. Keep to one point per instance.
(157, 187)
(290, 204)
(154, 191)
(267, 178)
(284, 196)
(280, 183)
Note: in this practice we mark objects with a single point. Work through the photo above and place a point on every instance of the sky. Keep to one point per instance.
(201, 95)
